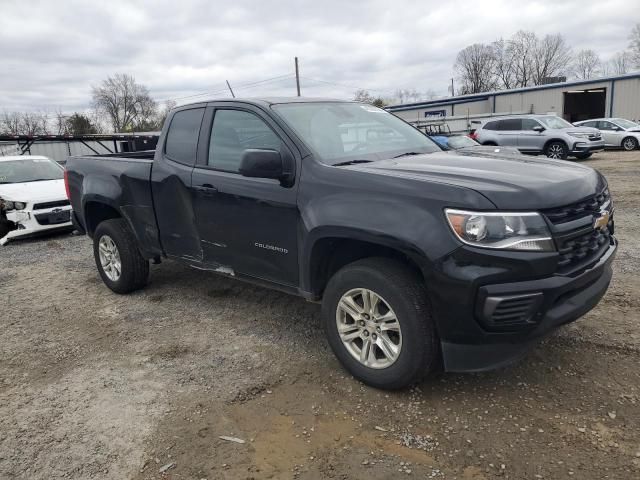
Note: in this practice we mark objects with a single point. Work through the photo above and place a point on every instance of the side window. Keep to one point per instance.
(511, 124)
(590, 124)
(235, 131)
(182, 137)
(602, 125)
(490, 126)
(529, 124)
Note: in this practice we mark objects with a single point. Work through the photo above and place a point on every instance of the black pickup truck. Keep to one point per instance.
(422, 259)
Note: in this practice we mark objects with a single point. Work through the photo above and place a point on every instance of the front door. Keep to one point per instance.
(246, 225)
(530, 140)
(611, 135)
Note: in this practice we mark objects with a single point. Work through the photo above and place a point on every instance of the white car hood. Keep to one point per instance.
(43, 191)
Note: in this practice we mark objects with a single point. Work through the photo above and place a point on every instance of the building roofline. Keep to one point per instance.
(496, 93)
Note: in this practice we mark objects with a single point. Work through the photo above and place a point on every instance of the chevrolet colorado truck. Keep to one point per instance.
(422, 260)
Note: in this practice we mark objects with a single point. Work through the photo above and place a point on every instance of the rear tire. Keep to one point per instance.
(401, 305)
(119, 262)
(629, 143)
(556, 149)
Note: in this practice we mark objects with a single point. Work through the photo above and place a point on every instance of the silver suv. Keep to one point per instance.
(536, 134)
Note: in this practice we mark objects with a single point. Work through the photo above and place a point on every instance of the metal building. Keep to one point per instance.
(617, 96)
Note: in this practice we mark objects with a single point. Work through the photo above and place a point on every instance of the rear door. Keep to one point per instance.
(509, 130)
(247, 225)
(530, 140)
(171, 184)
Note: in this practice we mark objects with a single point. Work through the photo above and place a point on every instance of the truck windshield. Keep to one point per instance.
(341, 132)
(29, 170)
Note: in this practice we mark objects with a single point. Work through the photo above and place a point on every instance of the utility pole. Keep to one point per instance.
(452, 92)
(228, 85)
(297, 77)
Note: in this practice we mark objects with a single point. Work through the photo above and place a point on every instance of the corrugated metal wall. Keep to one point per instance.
(626, 99)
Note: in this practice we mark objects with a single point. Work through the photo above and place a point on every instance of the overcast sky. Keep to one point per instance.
(51, 52)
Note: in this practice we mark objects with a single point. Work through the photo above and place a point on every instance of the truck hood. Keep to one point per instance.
(511, 183)
(46, 190)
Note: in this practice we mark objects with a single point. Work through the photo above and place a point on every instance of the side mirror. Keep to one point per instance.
(538, 128)
(259, 163)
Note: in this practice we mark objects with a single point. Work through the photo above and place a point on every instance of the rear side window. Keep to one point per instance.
(511, 124)
(182, 137)
(490, 126)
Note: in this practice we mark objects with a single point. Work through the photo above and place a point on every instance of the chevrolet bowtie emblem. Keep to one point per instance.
(601, 222)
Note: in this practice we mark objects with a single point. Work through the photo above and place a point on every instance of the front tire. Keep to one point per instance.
(629, 143)
(583, 156)
(119, 262)
(556, 150)
(378, 323)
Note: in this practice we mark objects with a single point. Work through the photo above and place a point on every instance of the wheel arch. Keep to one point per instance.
(330, 253)
(551, 140)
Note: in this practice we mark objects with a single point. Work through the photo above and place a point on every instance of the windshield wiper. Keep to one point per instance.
(407, 154)
(351, 162)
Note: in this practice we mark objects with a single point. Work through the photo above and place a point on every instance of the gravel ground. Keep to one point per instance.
(96, 385)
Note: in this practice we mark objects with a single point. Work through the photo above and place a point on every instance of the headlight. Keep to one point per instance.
(14, 205)
(579, 135)
(503, 230)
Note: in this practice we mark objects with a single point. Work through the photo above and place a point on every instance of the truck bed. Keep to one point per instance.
(123, 182)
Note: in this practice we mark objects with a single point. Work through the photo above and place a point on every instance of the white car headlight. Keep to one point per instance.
(501, 230)
(14, 205)
(579, 135)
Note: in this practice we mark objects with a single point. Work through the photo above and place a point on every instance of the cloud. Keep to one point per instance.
(52, 52)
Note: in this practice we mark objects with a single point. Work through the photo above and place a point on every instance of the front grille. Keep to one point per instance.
(45, 205)
(579, 243)
(591, 206)
(581, 251)
(53, 218)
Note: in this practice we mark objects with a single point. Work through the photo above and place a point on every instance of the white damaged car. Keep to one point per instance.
(32, 197)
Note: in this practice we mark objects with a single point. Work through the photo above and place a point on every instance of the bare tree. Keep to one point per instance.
(475, 67)
(634, 46)
(126, 103)
(505, 68)
(586, 64)
(522, 48)
(33, 123)
(619, 64)
(11, 123)
(60, 122)
(551, 57)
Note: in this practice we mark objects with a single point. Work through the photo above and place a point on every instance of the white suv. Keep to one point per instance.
(547, 134)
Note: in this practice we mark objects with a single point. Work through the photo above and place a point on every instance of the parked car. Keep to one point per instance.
(420, 257)
(33, 196)
(535, 134)
(463, 144)
(616, 132)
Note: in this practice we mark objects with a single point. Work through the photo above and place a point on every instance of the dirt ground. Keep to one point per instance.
(96, 385)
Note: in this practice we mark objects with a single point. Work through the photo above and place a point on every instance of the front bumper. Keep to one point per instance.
(29, 222)
(469, 343)
(587, 147)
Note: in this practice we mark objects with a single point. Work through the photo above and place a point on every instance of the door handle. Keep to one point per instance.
(206, 189)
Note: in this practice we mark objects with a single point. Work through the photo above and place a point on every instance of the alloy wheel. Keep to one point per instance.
(628, 144)
(555, 151)
(369, 328)
(109, 258)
